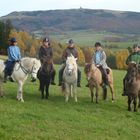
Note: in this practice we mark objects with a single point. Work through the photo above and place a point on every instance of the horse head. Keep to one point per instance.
(35, 67)
(47, 65)
(71, 65)
(132, 67)
(87, 69)
(30, 66)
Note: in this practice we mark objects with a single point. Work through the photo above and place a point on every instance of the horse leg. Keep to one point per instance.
(67, 92)
(71, 90)
(96, 94)
(129, 102)
(42, 91)
(92, 94)
(112, 91)
(1, 90)
(135, 103)
(75, 92)
(139, 100)
(19, 93)
(104, 92)
(47, 90)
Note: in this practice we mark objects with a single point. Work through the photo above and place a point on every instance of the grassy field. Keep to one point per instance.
(53, 119)
(88, 38)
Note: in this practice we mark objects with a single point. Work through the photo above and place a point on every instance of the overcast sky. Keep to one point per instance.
(7, 6)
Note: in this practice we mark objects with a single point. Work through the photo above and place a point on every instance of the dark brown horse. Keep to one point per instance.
(95, 80)
(133, 85)
(44, 76)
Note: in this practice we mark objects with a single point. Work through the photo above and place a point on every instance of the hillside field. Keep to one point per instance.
(87, 38)
(53, 119)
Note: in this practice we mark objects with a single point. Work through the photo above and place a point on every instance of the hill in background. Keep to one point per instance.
(76, 19)
(62, 24)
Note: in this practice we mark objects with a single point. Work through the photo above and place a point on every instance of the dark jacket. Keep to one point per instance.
(68, 51)
(45, 52)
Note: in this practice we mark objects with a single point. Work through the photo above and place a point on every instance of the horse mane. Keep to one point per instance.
(28, 61)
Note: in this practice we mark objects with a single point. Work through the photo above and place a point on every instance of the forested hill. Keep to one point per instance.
(76, 19)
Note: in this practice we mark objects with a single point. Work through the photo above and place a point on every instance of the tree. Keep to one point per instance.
(5, 29)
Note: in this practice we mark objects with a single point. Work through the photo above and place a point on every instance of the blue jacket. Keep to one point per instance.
(13, 53)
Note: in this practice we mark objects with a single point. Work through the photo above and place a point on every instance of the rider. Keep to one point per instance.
(44, 52)
(135, 57)
(67, 52)
(13, 56)
(99, 59)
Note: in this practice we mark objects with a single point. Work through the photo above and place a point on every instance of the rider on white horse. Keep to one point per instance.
(67, 52)
(13, 56)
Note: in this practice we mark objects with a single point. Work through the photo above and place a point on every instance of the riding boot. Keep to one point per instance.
(79, 78)
(11, 79)
(124, 90)
(60, 77)
(105, 76)
(5, 76)
(53, 77)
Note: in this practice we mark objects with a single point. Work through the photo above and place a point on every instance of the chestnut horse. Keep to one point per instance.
(95, 80)
(133, 85)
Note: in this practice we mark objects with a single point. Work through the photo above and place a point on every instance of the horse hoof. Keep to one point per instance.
(129, 109)
(22, 100)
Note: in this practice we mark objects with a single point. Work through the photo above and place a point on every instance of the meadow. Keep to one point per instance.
(87, 38)
(53, 119)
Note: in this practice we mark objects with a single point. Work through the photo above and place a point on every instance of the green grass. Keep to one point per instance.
(53, 119)
(85, 38)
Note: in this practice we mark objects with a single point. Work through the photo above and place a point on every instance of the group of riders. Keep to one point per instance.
(99, 59)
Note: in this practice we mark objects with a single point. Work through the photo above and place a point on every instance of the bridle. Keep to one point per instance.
(25, 70)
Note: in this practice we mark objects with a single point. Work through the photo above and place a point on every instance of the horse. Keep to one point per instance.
(44, 76)
(20, 73)
(95, 80)
(133, 85)
(70, 78)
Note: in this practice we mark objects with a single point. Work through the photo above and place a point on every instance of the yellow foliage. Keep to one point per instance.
(121, 57)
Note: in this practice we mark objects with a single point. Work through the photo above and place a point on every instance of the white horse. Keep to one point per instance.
(20, 73)
(70, 78)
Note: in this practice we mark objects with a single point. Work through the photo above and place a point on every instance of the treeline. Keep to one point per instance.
(5, 29)
(29, 46)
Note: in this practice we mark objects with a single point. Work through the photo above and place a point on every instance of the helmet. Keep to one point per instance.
(12, 40)
(46, 39)
(70, 41)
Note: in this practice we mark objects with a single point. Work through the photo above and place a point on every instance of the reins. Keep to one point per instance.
(24, 69)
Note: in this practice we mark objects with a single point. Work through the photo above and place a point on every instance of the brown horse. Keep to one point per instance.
(95, 80)
(133, 85)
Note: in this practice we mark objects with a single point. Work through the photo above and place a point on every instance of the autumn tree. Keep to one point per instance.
(121, 57)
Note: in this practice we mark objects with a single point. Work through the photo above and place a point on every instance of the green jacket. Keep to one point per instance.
(133, 57)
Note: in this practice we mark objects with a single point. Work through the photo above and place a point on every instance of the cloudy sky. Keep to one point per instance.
(7, 6)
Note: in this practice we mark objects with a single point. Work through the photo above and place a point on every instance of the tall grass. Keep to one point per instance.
(53, 119)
